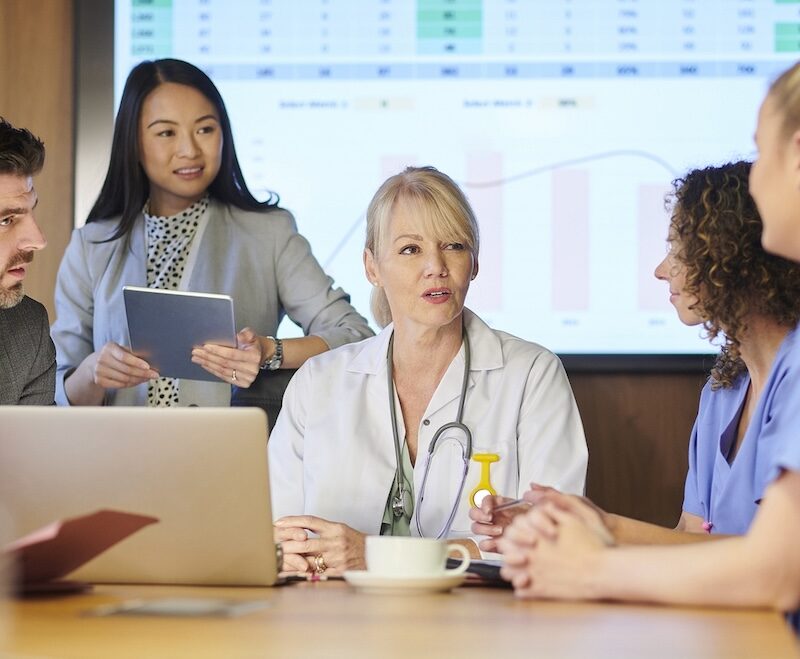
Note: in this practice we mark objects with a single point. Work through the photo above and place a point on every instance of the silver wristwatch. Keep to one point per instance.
(274, 362)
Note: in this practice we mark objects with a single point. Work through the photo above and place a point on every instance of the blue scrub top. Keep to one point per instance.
(721, 494)
(780, 444)
(727, 495)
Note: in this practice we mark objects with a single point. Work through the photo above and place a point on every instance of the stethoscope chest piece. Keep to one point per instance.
(402, 503)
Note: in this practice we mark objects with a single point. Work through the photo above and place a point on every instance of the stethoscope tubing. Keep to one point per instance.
(465, 460)
(399, 500)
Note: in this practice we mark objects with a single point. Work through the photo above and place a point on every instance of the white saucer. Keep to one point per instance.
(373, 583)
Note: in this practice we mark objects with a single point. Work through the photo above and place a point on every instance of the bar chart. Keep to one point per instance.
(565, 122)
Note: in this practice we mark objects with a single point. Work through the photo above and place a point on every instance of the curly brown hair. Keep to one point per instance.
(718, 232)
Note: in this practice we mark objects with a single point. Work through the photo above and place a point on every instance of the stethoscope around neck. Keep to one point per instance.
(402, 501)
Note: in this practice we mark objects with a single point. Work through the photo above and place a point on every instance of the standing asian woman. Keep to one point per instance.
(174, 212)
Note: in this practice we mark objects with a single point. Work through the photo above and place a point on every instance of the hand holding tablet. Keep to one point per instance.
(238, 365)
(115, 367)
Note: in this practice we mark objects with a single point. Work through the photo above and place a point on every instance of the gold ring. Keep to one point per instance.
(233, 375)
(319, 564)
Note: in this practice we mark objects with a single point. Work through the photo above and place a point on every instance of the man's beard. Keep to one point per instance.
(11, 296)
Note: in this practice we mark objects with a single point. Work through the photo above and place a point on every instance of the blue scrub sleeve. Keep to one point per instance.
(779, 447)
(691, 496)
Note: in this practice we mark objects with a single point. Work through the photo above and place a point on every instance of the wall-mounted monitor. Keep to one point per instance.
(565, 122)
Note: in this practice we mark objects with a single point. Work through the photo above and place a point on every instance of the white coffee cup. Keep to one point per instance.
(402, 556)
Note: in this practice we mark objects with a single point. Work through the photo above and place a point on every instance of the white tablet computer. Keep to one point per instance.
(164, 326)
(201, 471)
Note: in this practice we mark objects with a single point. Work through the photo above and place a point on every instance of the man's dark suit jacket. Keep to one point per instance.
(27, 355)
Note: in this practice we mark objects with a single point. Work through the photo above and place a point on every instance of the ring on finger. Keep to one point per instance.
(233, 375)
(319, 564)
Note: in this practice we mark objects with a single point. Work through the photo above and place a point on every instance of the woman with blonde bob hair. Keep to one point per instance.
(440, 205)
(390, 436)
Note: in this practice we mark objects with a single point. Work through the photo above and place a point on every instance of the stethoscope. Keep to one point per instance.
(402, 502)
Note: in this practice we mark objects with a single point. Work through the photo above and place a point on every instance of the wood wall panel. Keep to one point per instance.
(637, 429)
(36, 92)
(637, 426)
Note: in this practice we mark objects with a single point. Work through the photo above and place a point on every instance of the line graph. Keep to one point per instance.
(395, 163)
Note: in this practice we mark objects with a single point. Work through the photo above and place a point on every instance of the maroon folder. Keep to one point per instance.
(45, 556)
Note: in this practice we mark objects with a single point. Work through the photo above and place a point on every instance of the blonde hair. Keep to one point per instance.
(785, 91)
(434, 198)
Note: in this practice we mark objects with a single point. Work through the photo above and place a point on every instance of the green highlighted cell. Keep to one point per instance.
(787, 30)
(449, 4)
(449, 26)
(157, 32)
(449, 30)
(151, 28)
(449, 19)
(787, 45)
(458, 15)
(157, 50)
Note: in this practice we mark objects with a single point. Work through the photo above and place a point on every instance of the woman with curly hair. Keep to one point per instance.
(566, 548)
(744, 472)
(719, 276)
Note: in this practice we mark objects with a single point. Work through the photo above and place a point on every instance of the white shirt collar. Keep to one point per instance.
(485, 348)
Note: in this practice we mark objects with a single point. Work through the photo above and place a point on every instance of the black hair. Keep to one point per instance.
(126, 187)
(21, 152)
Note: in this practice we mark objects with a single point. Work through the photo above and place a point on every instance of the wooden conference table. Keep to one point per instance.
(328, 619)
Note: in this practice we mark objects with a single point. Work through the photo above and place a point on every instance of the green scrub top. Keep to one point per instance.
(392, 525)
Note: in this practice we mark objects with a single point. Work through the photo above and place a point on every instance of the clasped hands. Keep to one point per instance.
(116, 367)
(551, 548)
(548, 548)
(336, 546)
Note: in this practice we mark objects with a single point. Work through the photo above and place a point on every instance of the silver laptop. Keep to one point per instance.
(201, 471)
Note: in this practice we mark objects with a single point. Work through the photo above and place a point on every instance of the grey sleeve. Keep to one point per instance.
(308, 296)
(73, 329)
(39, 389)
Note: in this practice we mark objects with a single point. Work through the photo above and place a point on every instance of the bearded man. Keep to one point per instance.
(27, 354)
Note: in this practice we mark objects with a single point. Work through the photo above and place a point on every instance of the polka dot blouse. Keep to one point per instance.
(168, 243)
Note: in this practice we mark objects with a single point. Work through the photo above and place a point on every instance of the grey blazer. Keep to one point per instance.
(258, 259)
(27, 355)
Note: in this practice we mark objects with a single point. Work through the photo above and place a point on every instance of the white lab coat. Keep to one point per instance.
(332, 451)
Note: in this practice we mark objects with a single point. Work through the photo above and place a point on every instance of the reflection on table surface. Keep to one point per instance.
(330, 619)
